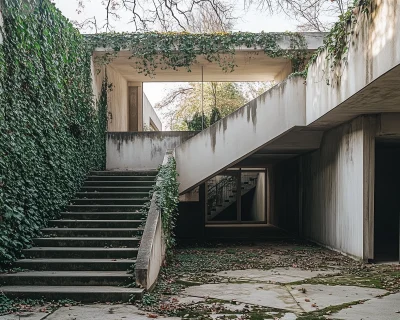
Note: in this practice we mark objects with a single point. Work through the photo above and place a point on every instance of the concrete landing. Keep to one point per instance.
(312, 297)
(278, 275)
(272, 296)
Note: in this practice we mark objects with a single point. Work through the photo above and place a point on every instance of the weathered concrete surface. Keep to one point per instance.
(318, 296)
(141, 150)
(241, 133)
(103, 312)
(259, 294)
(289, 316)
(280, 275)
(374, 50)
(152, 248)
(117, 99)
(31, 315)
(385, 308)
(334, 204)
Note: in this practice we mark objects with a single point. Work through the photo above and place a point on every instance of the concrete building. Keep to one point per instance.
(316, 158)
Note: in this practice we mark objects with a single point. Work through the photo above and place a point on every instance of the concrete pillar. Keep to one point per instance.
(369, 133)
(135, 106)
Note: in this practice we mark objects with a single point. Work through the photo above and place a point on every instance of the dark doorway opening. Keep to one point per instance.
(387, 201)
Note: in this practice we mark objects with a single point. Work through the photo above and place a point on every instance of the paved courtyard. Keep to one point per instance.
(276, 280)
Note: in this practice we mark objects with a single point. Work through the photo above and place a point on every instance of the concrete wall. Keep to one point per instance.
(150, 115)
(374, 50)
(240, 133)
(337, 191)
(258, 212)
(141, 150)
(117, 97)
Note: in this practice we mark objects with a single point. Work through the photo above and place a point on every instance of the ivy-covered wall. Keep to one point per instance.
(51, 133)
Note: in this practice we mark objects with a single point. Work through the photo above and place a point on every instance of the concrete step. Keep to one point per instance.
(110, 201)
(102, 215)
(120, 178)
(124, 173)
(115, 242)
(47, 264)
(82, 294)
(108, 195)
(80, 253)
(92, 232)
(105, 183)
(67, 278)
(116, 188)
(104, 208)
(95, 223)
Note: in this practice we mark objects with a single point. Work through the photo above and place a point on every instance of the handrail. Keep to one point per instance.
(151, 252)
(224, 180)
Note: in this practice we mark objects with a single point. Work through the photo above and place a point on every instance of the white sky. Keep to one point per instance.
(254, 20)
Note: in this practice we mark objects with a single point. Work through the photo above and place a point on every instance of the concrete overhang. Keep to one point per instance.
(294, 142)
(252, 64)
(380, 96)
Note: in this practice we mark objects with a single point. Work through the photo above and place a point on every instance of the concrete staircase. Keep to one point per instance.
(227, 194)
(86, 254)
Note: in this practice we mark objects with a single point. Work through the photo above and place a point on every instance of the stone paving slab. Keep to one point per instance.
(34, 315)
(280, 275)
(273, 296)
(101, 311)
(385, 308)
(319, 296)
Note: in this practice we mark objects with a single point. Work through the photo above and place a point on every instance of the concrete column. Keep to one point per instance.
(135, 106)
(369, 133)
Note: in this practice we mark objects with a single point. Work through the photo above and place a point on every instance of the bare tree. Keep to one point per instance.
(165, 15)
(312, 15)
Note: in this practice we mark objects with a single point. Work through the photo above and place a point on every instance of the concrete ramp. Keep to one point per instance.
(242, 133)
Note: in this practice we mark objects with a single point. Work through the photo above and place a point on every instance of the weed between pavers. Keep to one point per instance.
(8, 305)
(198, 265)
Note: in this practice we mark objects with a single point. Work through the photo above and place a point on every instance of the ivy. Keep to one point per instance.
(174, 50)
(336, 43)
(167, 199)
(51, 133)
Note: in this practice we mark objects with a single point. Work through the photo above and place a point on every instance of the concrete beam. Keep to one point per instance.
(251, 64)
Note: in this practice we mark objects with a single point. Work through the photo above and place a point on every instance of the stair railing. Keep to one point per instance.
(220, 192)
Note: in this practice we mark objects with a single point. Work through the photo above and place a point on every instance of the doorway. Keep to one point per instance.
(387, 201)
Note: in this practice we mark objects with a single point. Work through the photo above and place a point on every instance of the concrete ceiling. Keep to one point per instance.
(291, 144)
